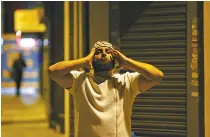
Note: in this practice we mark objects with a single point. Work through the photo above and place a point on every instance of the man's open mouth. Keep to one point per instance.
(103, 59)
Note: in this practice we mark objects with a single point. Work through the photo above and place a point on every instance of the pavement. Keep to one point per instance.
(39, 129)
(24, 116)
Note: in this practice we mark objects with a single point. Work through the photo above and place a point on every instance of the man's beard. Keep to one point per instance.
(100, 66)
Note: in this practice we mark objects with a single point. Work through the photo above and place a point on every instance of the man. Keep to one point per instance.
(17, 72)
(103, 98)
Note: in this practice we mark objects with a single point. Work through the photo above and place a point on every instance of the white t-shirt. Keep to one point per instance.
(104, 110)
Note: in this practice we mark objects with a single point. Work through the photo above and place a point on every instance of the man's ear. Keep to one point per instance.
(113, 57)
(113, 61)
(94, 58)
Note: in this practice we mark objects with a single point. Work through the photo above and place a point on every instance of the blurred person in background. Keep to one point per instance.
(17, 72)
(103, 98)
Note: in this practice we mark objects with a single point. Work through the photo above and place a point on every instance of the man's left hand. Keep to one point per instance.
(122, 59)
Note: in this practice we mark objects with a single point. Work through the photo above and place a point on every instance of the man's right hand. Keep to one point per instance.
(89, 58)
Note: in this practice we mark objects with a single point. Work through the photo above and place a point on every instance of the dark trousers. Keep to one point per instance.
(18, 82)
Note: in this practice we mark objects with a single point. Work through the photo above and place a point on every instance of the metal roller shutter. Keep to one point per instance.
(158, 37)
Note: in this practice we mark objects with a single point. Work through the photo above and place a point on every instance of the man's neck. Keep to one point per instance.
(104, 73)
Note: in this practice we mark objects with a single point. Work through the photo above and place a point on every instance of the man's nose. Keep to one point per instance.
(103, 54)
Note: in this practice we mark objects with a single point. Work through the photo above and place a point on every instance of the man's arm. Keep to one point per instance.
(150, 75)
(60, 72)
(23, 63)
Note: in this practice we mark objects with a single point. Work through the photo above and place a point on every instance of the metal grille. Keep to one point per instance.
(158, 37)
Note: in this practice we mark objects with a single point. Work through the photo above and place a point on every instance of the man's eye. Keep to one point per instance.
(97, 52)
(108, 51)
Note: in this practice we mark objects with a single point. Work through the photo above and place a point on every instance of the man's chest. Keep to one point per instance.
(101, 97)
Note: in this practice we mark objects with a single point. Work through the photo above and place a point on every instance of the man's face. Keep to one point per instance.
(103, 59)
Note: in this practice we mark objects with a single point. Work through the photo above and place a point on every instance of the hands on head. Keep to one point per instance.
(89, 58)
(122, 59)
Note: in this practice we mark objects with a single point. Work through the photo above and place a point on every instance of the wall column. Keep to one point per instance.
(206, 68)
(98, 21)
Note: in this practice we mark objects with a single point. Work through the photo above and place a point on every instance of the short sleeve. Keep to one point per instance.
(75, 75)
(133, 79)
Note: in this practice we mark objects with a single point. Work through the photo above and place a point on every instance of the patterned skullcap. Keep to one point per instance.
(102, 44)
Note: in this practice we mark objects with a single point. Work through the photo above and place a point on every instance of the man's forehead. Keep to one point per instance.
(102, 47)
